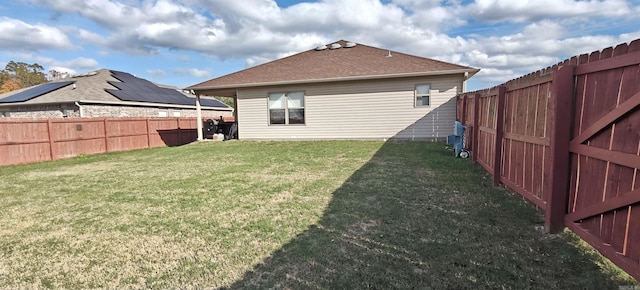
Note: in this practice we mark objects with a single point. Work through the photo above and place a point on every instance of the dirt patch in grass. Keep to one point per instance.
(80, 169)
(362, 228)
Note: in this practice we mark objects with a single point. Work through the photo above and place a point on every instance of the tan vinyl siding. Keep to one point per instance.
(380, 109)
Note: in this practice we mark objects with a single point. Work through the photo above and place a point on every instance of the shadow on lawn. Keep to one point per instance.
(415, 217)
(177, 137)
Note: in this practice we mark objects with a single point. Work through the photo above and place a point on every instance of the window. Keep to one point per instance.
(423, 95)
(5, 114)
(162, 113)
(176, 113)
(286, 108)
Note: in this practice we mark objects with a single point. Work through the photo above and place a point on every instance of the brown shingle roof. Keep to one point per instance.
(360, 61)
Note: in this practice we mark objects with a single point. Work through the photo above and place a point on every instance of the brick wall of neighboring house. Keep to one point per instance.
(41, 111)
(102, 111)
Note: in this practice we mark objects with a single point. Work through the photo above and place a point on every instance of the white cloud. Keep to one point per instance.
(21, 36)
(156, 73)
(91, 37)
(520, 11)
(502, 37)
(62, 69)
(194, 72)
(81, 63)
(497, 76)
(111, 14)
(70, 66)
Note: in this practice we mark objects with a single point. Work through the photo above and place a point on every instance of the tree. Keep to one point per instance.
(28, 74)
(228, 101)
(10, 85)
(56, 75)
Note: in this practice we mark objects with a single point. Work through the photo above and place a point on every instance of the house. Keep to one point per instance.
(105, 93)
(344, 90)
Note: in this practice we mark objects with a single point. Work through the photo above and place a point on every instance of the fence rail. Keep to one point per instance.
(567, 138)
(34, 140)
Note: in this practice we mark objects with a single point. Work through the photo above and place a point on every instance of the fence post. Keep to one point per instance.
(52, 145)
(497, 148)
(179, 134)
(476, 128)
(106, 135)
(562, 95)
(148, 133)
(463, 117)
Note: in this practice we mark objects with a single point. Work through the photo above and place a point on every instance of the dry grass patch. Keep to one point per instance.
(194, 216)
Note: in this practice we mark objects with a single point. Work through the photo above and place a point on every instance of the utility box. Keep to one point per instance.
(457, 140)
(458, 129)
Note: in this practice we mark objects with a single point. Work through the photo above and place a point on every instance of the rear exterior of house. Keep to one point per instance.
(365, 109)
(344, 91)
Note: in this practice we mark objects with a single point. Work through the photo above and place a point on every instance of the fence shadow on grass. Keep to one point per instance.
(415, 217)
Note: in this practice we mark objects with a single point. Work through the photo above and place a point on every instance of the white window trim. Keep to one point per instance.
(286, 108)
(416, 95)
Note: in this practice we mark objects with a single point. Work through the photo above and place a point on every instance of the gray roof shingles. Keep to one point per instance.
(95, 87)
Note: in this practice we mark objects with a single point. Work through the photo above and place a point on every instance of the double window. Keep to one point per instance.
(423, 93)
(286, 108)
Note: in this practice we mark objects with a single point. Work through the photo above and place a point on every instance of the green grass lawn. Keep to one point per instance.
(298, 215)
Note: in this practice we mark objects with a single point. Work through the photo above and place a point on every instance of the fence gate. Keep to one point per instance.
(604, 193)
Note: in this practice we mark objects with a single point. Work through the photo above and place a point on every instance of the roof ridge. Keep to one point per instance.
(265, 63)
(255, 66)
(333, 64)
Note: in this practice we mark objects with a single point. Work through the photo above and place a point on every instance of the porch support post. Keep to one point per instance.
(199, 117)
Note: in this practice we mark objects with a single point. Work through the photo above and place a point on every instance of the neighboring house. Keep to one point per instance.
(105, 93)
(344, 90)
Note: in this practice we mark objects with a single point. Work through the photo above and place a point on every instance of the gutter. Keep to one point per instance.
(155, 105)
(467, 72)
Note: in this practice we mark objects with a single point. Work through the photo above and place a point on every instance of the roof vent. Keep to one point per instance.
(335, 46)
(349, 44)
(321, 47)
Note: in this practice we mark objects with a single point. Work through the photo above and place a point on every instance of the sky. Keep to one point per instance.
(185, 42)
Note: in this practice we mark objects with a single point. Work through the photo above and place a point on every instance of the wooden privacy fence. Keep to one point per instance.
(567, 138)
(33, 140)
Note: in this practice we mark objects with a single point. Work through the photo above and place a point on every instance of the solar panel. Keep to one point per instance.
(211, 103)
(34, 92)
(131, 88)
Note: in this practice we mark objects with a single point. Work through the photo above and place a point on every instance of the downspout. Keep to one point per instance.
(80, 109)
(464, 82)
